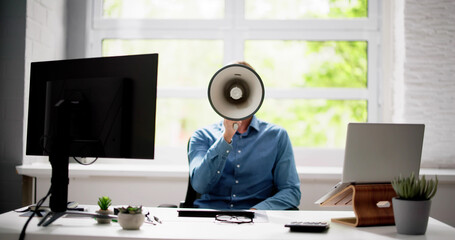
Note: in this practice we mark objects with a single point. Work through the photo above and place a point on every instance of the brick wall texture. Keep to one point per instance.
(429, 75)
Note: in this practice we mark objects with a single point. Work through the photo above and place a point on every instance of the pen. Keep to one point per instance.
(157, 219)
(150, 220)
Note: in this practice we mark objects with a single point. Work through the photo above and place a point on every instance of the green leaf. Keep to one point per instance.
(104, 202)
(413, 188)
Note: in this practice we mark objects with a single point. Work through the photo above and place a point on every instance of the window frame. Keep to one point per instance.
(234, 30)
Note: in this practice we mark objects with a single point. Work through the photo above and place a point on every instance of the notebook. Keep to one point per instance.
(379, 152)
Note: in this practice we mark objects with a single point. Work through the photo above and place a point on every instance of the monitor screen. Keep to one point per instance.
(98, 116)
(107, 104)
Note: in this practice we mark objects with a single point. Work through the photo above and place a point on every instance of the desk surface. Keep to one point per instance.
(173, 227)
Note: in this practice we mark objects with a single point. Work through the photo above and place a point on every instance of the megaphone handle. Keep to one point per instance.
(235, 126)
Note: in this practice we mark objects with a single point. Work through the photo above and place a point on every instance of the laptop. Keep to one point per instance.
(379, 152)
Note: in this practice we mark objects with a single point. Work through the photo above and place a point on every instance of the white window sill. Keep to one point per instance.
(154, 169)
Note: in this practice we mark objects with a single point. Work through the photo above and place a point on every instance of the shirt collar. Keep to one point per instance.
(255, 123)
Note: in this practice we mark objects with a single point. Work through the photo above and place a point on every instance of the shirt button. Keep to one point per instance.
(233, 195)
(227, 151)
(236, 181)
(238, 165)
(218, 172)
(239, 151)
(232, 205)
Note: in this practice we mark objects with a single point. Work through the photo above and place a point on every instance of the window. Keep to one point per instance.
(318, 60)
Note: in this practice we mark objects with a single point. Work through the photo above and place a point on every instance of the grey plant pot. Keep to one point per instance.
(411, 217)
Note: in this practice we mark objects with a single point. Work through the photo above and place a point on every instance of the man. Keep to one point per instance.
(251, 168)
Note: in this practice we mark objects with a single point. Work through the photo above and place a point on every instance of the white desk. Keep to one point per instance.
(174, 227)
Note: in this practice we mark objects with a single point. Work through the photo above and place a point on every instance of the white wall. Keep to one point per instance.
(45, 36)
(428, 80)
(12, 48)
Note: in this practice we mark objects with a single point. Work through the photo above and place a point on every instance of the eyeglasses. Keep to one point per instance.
(233, 219)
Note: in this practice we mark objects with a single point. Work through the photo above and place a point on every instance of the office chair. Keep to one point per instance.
(191, 194)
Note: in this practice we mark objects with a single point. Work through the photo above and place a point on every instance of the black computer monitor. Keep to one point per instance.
(94, 107)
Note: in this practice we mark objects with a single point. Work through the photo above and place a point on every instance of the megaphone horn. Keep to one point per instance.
(236, 92)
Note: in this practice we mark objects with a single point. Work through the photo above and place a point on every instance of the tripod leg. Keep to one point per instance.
(49, 214)
(54, 216)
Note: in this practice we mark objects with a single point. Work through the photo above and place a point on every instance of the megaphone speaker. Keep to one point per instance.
(236, 92)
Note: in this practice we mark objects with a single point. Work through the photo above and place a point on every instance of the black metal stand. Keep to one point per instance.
(59, 159)
(52, 216)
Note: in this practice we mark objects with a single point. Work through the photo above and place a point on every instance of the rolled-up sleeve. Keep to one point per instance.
(207, 160)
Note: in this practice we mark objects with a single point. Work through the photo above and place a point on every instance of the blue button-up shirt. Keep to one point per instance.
(257, 170)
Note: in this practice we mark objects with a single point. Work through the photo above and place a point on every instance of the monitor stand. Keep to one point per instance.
(59, 151)
(59, 159)
(50, 217)
(59, 188)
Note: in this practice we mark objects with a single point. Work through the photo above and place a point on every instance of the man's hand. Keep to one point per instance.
(229, 130)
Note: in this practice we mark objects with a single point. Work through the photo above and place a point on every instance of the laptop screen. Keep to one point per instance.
(379, 152)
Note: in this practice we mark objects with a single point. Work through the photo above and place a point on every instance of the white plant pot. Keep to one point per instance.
(130, 221)
(411, 217)
(104, 220)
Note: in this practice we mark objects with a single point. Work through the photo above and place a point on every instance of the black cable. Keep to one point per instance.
(36, 211)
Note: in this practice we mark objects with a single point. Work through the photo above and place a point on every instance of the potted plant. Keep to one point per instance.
(412, 205)
(130, 218)
(104, 203)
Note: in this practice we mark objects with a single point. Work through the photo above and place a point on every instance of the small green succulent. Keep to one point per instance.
(413, 188)
(104, 202)
(130, 210)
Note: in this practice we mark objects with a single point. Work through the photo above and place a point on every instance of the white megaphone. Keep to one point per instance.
(236, 92)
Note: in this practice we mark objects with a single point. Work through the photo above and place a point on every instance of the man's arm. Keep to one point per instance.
(206, 162)
(286, 179)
